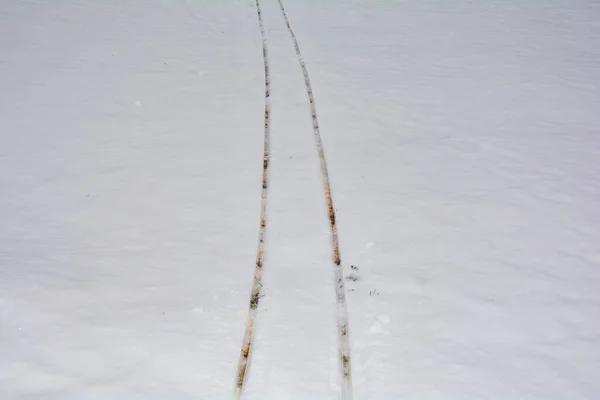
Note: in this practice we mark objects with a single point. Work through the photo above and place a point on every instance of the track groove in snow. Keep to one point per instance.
(340, 292)
(341, 308)
(258, 272)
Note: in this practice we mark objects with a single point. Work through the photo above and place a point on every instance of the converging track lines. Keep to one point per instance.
(340, 293)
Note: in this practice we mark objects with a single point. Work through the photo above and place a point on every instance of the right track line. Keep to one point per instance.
(340, 292)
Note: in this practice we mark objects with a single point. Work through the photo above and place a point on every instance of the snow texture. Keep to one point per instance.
(463, 143)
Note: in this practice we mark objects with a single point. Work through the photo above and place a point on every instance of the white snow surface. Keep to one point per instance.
(463, 142)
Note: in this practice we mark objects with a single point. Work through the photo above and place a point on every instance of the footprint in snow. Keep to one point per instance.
(379, 325)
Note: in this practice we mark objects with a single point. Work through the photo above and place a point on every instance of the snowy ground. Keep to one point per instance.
(463, 141)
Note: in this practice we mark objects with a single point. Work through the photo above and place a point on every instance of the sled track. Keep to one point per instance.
(258, 271)
(340, 292)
